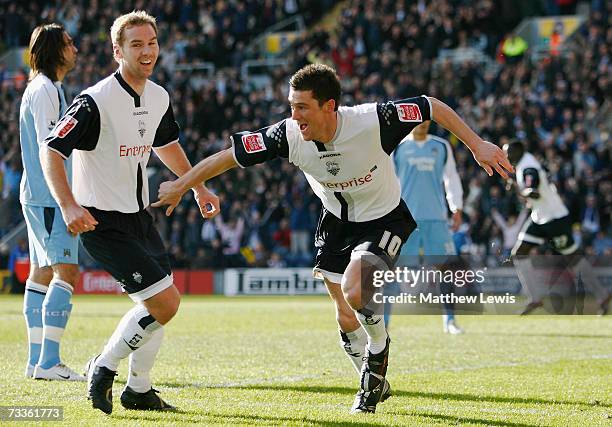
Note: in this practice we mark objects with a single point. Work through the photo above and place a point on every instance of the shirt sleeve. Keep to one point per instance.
(168, 129)
(251, 148)
(78, 129)
(45, 107)
(452, 181)
(398, 118)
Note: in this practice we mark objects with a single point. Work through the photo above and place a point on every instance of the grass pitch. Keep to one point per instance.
(277, 361)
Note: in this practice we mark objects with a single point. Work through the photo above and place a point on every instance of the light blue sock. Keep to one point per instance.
(56, 311)
(32, 311)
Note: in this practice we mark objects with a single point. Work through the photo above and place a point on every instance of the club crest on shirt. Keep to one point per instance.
(409, 113)
(332, 167)
(137, 277)
(253, 142)
(65, 126)
(141, 128)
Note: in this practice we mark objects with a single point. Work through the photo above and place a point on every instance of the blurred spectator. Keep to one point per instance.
(514, 48)
(590, 216)
(602, 244)
(282, 238)
(510, 229)
(276, 261)
(231, 236)
(301, 230)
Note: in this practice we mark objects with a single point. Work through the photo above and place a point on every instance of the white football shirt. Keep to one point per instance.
(112, 130)
(549, 206)
(353, 174)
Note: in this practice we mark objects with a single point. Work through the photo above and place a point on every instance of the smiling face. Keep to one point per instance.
(138, 52)
(316, 122)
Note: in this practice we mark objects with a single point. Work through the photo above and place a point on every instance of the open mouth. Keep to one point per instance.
(303, 127)
(147, 62)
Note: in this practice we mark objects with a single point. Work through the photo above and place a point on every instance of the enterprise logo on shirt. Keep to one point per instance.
(135, 151)
(351, 183)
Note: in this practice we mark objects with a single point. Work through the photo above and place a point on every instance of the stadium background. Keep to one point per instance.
(276, 360)
(227, 63)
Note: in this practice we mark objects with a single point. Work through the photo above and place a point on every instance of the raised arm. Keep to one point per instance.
(488, 155)
(171, 192)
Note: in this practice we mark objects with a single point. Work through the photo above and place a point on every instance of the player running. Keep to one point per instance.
(549, 223)
(344, 153)
(54, 268)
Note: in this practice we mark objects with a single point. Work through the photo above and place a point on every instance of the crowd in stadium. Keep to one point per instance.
(382, 50)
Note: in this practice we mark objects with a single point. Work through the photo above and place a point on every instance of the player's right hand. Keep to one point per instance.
(491, 158)
(78, 219)
(169, 194)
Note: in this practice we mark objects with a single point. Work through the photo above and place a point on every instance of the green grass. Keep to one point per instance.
(277, 361)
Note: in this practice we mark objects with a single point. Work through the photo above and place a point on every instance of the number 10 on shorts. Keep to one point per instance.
(390, 244)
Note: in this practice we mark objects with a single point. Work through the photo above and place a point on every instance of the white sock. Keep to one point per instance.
(133, 331)
(141, 363)
(354, 344)
(374, 326)
(526, 273)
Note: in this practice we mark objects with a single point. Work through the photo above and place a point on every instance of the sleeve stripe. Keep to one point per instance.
(57, 151)
(431, 117)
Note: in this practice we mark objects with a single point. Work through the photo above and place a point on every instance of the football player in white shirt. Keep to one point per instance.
(54, 268)
(112, 127)
(549, 223)
(344, 153)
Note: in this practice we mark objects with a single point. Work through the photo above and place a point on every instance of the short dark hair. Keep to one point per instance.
(321, 79)
(515, 150)
(46, 45)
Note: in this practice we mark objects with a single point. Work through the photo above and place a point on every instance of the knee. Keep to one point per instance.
(164, 310)
(40, 275)
(170, 309)
(352, 293)
(345, 317)
(69, 275)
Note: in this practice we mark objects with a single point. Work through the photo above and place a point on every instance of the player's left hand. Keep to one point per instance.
(489, 156)
(208, 202)
(170, 193)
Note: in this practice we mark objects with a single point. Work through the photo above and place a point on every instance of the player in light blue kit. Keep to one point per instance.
(53, 251)
(426, 169)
